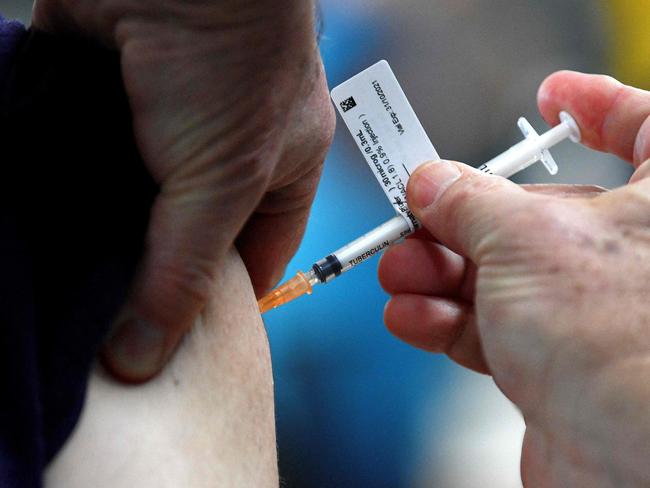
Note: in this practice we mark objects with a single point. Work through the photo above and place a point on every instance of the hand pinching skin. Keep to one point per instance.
(232, 118)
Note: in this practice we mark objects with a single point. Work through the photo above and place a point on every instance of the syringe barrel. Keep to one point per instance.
(373, 242)
(362, 248)
(526, 152)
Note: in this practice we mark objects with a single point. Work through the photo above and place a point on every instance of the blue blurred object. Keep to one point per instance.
(347, 393)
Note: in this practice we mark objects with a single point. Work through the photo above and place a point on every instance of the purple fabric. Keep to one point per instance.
(11, 33)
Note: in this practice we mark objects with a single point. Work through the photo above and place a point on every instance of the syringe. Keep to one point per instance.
(533, 148)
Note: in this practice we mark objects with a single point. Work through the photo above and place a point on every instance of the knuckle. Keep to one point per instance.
(319, 109)
(626, 206)
(188, 279)
(327, 125)
(253, 168)
(549, 223)
(298, 196)
(239, 176)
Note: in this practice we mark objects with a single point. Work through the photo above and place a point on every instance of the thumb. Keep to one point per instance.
(613, 117)
(188, 235)
(462, 207)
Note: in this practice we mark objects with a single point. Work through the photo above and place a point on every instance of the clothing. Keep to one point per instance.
(11, 34)
(73, 214)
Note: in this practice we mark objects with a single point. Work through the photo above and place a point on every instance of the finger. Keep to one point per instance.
(187, 237)
(612, 117)
(462, 207)
(273, 234)
(421, 267)
(439, 325)
(267, 244)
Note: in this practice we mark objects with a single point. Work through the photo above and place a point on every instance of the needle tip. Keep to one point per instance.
(296, 287)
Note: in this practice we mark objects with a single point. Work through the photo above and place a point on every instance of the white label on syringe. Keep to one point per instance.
(386, 129)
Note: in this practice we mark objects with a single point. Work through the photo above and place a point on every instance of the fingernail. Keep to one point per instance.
(136, 348)
(430, 181)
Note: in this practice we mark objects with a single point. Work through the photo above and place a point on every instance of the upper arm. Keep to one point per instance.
(206, 420)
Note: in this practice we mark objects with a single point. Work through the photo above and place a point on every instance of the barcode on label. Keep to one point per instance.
(348, 104)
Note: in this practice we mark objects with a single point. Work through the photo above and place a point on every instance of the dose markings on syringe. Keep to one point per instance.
(386, 130)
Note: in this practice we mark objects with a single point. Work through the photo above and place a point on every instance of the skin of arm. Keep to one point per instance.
(207, 420)
(547, 294)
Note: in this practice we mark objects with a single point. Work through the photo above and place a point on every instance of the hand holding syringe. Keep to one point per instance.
(519, 157)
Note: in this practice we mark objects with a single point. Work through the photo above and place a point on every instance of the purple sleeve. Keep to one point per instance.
(11, 33)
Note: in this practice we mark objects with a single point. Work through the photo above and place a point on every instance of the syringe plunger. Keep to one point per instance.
(533, 148)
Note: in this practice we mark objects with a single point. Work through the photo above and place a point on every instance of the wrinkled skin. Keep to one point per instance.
(233, 120)
(546, 290)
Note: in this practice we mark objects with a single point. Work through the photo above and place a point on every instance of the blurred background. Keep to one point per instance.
(355, 407)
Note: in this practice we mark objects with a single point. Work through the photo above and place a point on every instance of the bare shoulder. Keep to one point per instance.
(206, 420)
